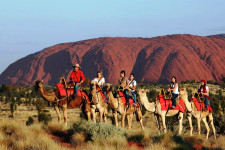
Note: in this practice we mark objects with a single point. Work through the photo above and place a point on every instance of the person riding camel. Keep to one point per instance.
(77, 77)
(101, 80)
(132, 86)
(174, 89)
(123, 81)
(204, 90)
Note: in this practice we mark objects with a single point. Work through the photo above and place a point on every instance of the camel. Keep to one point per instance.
(63, 102)
(97, 103)
(199, 115)
(118, 107)
(155, 107)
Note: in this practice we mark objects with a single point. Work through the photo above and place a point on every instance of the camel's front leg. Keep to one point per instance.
(199, 126)
(64, 108)
(101, 112)
(58, 113)
(212, 125)
(207, 127)
(115, 118)
(189, 115)
(163, 115)
(123, 119)
(105, 115)
(93, 114)
(139, 114)
(180, 122)
(157, 121)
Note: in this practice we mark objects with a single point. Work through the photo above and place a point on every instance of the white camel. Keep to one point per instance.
(199, 115)
(155, 107)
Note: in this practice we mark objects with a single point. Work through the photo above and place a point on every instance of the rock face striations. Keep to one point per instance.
(155, 59)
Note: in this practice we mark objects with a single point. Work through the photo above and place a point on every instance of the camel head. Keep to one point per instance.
(38, 84)
(142, 92)
(183, 93)
(108, 87)
(93, 84)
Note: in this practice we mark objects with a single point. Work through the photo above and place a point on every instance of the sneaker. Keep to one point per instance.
(134, 104)
(173, 107)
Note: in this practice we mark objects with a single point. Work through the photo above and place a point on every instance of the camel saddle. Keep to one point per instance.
(200, 105)
(122, 96)
(166, 95)
(102, 94)
(167, 104)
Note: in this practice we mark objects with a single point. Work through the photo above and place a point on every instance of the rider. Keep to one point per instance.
(174, 89)
(101, 80)
(204, 90)
(132, 86)
(123, 81)
(78, 77)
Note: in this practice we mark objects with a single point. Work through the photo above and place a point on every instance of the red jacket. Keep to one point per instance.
(77, 76)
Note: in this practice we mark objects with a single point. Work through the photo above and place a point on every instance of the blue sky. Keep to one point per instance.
(28, 26)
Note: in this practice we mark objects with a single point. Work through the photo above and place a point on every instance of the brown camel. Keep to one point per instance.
(97, 102)
(63, 102)
(199, 115)
(118, 107)
(155, 107)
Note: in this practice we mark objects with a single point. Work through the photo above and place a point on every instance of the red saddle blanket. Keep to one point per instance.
(103, 95)
(201, 105)
(68, 92)
(167, 104)
(122, 96)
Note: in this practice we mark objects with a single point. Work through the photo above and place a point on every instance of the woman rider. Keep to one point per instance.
(174, 89)
(204, 90)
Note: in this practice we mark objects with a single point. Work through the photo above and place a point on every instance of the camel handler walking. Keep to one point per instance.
(132, 86)
(123, 81)
(77, 77)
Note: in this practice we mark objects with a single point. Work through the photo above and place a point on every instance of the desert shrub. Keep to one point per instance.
(219, 124)
(30, 121)
(100, 132)
(136, 138)
(43, 117)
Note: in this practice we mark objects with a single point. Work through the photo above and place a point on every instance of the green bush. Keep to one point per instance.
(30, 121)
(43, 117)
(100, 132)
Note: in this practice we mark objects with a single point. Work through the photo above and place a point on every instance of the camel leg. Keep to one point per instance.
(115, 118)
(105, 115)
(180, 122)
(64, 108)
(199, 126)
(123, 119)
(88, 115)
(163, 115)
(101, 112)
(58, 113)
(130, 122)
(93, 114)
(207, 127)
(190, 123)
(212, 125)
(139, 114)
(157, 121)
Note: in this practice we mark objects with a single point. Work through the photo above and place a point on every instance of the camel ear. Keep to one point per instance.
(111, 88)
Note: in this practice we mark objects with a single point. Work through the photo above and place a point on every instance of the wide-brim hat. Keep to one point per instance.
(77, 65)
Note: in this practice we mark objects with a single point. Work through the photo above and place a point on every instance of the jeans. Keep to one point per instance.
(126, 93)
(135, 97)
(206, 102)
(76, 87)
(174, 96)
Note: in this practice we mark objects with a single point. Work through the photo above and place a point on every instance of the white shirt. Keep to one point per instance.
(132, 84)
(101, 81)
(175, 91)
(207, 88)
